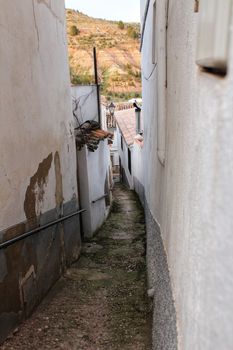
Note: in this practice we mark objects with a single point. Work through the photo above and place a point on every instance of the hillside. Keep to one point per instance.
(117, 45)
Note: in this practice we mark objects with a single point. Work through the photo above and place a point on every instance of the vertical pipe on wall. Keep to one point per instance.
(97, 85)
(138, 119)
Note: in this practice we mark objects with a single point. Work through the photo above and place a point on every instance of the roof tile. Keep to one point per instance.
(126, 122)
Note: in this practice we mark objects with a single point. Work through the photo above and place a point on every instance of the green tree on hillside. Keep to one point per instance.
(121, 25)
(132, 32)
(74, 30)
(80, 77)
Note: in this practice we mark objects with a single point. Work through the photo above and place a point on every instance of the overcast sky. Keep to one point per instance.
(125, 10)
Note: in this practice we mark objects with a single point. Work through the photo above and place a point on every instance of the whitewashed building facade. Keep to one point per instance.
(187, 73)
(94, 171)
(38, 183)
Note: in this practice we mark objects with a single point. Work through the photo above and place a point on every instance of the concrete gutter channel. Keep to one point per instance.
(101, 302)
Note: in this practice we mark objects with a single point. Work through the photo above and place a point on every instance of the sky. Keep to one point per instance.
(125, 10)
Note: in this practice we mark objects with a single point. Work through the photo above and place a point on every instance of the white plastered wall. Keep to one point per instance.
(95, 183)
(35, 105)
(191, 197)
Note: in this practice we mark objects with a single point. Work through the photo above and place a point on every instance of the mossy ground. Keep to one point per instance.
(101, 302)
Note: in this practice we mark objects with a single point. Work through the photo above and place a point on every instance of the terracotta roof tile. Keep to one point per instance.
(127, 124)
(90, 134)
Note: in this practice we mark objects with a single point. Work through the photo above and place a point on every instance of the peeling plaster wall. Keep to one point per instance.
(95, 181)
(37, 152)
(189, 200)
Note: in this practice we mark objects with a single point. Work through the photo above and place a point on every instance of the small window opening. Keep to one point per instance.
(129, 160)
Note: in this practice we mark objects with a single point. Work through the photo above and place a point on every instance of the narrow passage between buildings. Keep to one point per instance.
(101, 302)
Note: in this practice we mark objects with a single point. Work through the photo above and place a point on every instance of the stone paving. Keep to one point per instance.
(101, 301)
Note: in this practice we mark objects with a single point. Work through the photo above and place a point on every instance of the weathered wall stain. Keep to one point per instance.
(59, 202)
(3, 266)
(33, 265)
(26, 263)
(19, 257)
(11, 306)
(59, 185)
(39, 179)
(28, 268)
(28, 290)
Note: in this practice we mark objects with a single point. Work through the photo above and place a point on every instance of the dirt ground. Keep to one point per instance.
(101, 301)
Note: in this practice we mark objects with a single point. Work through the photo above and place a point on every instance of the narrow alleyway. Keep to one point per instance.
(101, 301)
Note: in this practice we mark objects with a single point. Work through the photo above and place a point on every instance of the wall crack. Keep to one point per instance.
(43, 2)
(36, 26)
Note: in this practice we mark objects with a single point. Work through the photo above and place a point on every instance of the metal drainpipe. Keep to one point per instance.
(138, 118)
(38, 229)
(97, 86)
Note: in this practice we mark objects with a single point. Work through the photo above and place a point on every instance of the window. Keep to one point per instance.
(129, 160)
(122, 145)
(213, 37)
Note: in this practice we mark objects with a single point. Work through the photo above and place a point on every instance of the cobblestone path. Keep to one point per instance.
(101, 301)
